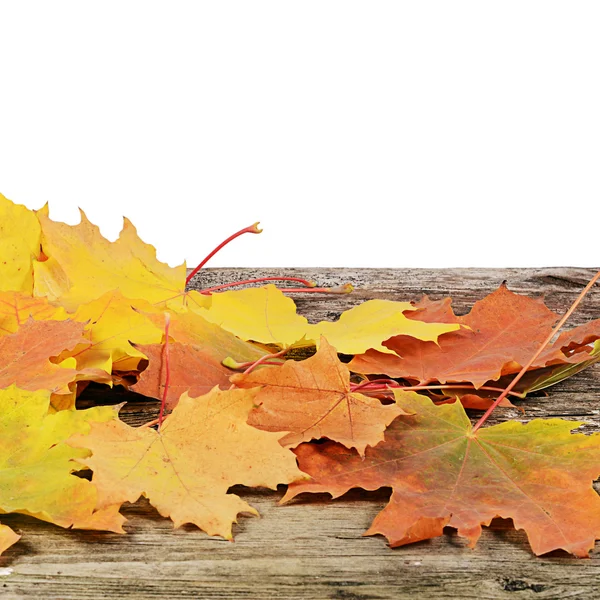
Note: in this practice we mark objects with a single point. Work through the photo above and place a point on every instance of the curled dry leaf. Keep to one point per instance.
(574, 346)
(538, 474)
(541, 378)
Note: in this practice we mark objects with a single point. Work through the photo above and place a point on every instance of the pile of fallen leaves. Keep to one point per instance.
(251, 393)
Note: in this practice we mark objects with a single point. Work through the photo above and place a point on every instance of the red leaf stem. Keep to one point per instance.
(167, 371)
(264, 358)
(306, 282)
(346, 288)
(250, 229)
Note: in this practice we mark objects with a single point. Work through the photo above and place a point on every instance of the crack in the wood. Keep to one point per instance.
(519, 585)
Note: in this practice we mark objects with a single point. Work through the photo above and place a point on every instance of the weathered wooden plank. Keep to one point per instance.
(314, 548)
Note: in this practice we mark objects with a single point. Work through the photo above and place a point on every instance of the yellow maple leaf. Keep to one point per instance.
(266, 315)
(112, 322)
(369, 324)
(19, 246)
(262, 314)
(203, 448)
(190, 300)
(83, 265)
(36, 464)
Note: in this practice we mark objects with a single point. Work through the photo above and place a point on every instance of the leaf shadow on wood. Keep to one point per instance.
(137, 410)
(503, 532)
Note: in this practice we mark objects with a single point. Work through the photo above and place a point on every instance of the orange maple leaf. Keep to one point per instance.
(25, 356)
(17, 307)
(311, 399)
(194, 369)
(195, 358)
(442, 473)
(502, 332)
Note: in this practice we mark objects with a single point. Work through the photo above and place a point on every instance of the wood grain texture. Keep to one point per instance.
(313, 548)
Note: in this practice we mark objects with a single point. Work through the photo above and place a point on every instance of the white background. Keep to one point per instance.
(369, 133)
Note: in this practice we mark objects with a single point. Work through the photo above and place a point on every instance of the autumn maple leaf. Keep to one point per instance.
(194, 369)
(195, 358)
(16, 308)
(111, 324)
(81, 265)
(203, 447)
(441, 473)
(75, 306)
(266, 315)
(19, 246)
(26, 356)
(262, 314)
(311, 399)
(36, 465)
(502, 332)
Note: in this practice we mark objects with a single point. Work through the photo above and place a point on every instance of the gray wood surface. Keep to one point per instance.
(313, 548)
